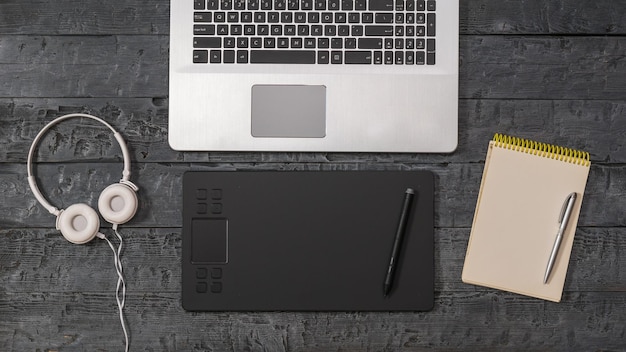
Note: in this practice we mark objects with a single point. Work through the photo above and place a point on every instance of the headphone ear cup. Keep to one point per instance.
(117, 203)
(79, 223)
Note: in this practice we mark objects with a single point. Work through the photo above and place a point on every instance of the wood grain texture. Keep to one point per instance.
(595, 266)
(552, 71)
(596, 126)
(518, 67)
(160, 194)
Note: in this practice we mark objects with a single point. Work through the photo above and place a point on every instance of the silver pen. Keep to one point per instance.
(566, 212)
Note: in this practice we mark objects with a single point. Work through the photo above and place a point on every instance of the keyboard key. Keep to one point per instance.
(378, 57)
(293, 4)
(232, 17)
(381, 5)
(282, 56)
(419, 58)
(200, 56)
(229, 42)
(202, 16)
(207, 42)
(431, 5)
(370, 43)
(409, 59)
(236, 29)
(420, 18)
(242, 56)
(282, 43)
(430, 45)
(360, 5)
(242, 42)
(229, 56)
(323, 57)
(296, 43)
(198, 4)
(215, 56)
(356, 30)
(388, 57)
(336, 57)
(358, 57)
(430, 58)
(399, 57)
(256, 42)
(286, 17)
(219, 17)
(249, 29)
(226, 4)
(266, 4)
(383, 17)
(269, 43)
(430, 25)
(204, 29)
(213, 5)
(347, 5)
(378, 31)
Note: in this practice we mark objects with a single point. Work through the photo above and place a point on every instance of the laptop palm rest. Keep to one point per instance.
(291, 111)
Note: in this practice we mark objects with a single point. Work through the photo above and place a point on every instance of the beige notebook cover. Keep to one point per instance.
(522, 192)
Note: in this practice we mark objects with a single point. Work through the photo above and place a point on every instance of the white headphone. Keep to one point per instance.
(79, 223)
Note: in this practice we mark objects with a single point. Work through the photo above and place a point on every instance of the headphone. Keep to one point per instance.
(79, 223)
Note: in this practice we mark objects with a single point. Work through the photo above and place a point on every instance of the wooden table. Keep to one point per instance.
(553, 71)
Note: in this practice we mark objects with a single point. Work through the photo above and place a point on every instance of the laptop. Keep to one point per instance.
(314, 75)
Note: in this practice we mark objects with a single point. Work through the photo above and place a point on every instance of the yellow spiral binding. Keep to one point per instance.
(542, 149)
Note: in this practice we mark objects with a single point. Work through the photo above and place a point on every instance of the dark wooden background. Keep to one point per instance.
(552, 70)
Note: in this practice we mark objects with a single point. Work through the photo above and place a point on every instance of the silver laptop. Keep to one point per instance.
(314, 75)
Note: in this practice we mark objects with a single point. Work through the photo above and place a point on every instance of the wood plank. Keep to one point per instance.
(152, 17)
(139, 17)
(604, 17)
(486, 321)
(491, 67)
(160, 195)
(590, 125)
(500, 67)
(41, 260)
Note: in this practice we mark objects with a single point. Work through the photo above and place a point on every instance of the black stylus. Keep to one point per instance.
(397, 242)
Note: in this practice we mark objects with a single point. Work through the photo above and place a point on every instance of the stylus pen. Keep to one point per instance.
(397, 242)
(566, 212)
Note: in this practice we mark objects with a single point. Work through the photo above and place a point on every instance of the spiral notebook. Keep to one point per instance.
(523, 188)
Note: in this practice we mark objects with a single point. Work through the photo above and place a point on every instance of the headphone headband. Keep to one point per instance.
(31, 178)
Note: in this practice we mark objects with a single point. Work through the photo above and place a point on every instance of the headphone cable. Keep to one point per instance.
(120, 291)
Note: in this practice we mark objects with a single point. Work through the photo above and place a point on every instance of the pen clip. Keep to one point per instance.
(564, 207)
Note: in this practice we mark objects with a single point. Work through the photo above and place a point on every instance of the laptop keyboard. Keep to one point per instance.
(355, 32)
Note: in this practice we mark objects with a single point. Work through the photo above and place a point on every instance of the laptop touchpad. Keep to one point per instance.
(288, 111)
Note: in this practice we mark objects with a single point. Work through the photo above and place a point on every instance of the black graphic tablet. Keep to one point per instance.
(306, 241)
